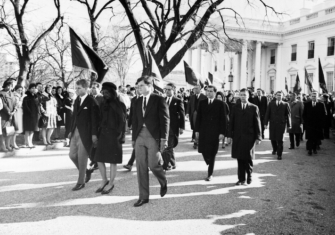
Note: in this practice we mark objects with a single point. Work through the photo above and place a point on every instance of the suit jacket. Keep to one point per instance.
(193, 106)
(132, 108)
(262, 105)
(177, 116)
(314, 120)
(297, 108)
(99, 98)
(156, 117)
(210, 123)
(86, 119)
(245, 129)
(279, 117)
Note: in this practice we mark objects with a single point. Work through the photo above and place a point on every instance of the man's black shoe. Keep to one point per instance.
(291, 148)
(88, 175)
(279, 158)
(310, 152)
(141, 202)
(315, 152)
(240, 183)
(164, 189)
(78, 187)
(318, 147)
(249, 181)
(297, 144)
(274, 152)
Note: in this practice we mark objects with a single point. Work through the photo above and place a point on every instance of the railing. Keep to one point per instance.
(312, 16)
(295, 21)
(330, 10)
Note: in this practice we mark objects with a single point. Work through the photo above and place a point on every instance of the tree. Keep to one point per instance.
(24, 47)
(170, 22)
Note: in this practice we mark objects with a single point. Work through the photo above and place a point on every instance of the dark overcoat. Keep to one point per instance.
(231, 106)
(177, 116)
(245, 129)
(279, 117)
(86, 119)
(193, 106)
(297, 108)
(262, 104)
(210, 123)
(314, 119)
(9, 104)
(31, 112)
(111, 132)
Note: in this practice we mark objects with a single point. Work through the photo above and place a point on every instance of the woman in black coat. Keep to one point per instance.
(221, 97)
(111, 136)
(231, 104)
(31, 114)
(68, 105)
(60, 110)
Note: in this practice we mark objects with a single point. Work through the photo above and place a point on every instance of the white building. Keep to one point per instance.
(7, 68)
(273, 51)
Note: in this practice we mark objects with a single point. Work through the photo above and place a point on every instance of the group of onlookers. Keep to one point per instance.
(36, 113)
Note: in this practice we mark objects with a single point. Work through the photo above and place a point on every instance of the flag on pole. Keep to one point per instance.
(308, 81)
(297, 87)
(191, 76)
(286, 87)
(158, 81)
(84, 58)
(210, 77)
(322, 81)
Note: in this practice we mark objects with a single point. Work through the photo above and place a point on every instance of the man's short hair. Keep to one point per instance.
(294, 94)
(38, 83)
(280, 92)
(97, 85)
(244, 90)
(171, 85)
(128, 86)
(212, 86)
(83, 83)
(132, 89)
(148, 80)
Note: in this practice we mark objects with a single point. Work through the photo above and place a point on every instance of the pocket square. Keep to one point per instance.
(175, 103)
(85, 108)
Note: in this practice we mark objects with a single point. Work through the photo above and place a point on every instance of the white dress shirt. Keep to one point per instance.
(210, 101)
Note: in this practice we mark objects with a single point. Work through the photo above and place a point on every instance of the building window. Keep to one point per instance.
(292, 82)
(311, 50)
(330, 81)
(273, 56)
(272, 84)
(215, 66)
(231, 63)
(294, 53)
(331, 45)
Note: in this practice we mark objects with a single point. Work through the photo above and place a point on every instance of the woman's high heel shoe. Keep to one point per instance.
(13, 147)
(99, 190)
(107, 191)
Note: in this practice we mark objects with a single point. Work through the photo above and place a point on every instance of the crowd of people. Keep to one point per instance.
(97, 118)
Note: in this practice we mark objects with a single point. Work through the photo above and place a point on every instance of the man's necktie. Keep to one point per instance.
(145, 104)
(79, 102)
(210, 102)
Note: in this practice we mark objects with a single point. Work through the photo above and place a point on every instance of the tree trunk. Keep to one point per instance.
(24, 68)
(94, 37)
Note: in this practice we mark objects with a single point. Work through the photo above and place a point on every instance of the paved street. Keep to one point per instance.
(292, 196)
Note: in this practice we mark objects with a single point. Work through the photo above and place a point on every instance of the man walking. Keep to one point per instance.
(279, 115)
(245, 129)
(150, 134)
(210, 127)
(177, 119)
(314, 117)
(84, 130)
(262, 103)
(192, 110)
(297, 108)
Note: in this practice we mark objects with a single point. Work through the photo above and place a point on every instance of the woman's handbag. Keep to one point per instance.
(9, 130)
(43, 122)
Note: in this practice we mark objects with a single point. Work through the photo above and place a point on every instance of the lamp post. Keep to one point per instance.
(230, 79)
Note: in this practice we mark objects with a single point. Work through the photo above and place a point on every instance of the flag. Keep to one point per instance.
(191, 77)
(297, 87)
(322, 81)
(252, 82)
(308, 81)
(83, 57)
(286, 87)
(210, 77)
(158, 81)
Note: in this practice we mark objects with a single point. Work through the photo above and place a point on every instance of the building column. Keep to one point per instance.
(189, 56)
(263, 75)
(280, 81)
(197, 64)
(244, 57)
(258, 65)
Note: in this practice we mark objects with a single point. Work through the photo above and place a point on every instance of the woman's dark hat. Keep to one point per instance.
(108, 86)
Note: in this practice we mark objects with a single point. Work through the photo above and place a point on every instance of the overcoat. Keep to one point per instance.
(231, 105)
(111, 132)
(9, 104)
(210, 123)
(314, 119)
(31, 112)
(279, 117)
(86, 119)
(297, 108)
(177, 116)
(245, 129)
(193, 106)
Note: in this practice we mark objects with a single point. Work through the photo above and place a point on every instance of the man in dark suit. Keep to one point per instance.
(177, 119)
(314, 115)
(245, 129)
(210, 127)
(150, 135)
(84, 130)
(279, 116)
(130, 163)
(262, 103)
(192, 110)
